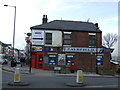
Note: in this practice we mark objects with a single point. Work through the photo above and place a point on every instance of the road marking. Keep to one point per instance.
(5, 71)
(103, 86)
(3, 82)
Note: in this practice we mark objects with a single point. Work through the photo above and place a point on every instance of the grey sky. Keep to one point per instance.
(30, 13)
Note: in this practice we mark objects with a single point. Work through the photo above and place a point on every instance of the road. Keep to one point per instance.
(58, 81)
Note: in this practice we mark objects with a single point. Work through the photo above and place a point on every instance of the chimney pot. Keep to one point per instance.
(44, 20)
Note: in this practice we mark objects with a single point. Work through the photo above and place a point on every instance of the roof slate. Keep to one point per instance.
(68, 25)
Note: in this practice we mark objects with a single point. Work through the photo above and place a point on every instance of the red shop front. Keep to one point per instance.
(37, 60)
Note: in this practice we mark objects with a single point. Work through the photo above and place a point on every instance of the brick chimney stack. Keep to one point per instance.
(96, 24)
(44, 19)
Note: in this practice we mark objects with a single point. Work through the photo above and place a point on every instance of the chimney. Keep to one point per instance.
(96, 24)
(44, 20)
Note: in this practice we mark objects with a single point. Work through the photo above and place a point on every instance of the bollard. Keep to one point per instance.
(17, 75)
(79, 76)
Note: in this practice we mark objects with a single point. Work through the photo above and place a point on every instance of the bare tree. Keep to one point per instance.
(109, 40)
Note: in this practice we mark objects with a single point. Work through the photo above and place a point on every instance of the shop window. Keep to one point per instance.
(99, 60)
(69, 58)
(92, 41)
(67, 39)
(52, 59)
(48, 38)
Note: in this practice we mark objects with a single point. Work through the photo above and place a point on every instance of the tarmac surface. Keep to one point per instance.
(25, 70)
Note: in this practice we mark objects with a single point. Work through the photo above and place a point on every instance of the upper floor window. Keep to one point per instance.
(92, 39)
(67, 38)
(48, 38)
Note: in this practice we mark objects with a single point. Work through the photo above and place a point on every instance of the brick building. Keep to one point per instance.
(72, 44)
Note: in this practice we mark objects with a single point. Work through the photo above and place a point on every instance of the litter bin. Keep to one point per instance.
(13, 63)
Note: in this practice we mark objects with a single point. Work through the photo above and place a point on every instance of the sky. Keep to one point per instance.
(30, 12)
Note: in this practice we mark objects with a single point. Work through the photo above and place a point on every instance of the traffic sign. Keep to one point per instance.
(28, 40)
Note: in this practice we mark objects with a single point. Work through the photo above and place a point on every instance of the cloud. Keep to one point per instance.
(50, 6)
(30, 12)
(108, 20)
(109, 25)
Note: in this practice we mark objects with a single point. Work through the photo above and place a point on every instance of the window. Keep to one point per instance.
(99, 60)
(52, 59)
(69, 58)
(67, 39)
(92, 40)
(48, 38)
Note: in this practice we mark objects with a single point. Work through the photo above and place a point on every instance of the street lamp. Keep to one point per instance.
(14, 26)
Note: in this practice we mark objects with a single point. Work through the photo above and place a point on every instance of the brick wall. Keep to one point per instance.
(86, 62)
(81, 39)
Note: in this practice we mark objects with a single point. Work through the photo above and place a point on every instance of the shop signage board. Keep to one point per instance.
(42, 49)
(90, 50)
(37, 37)
(61, 59)
(107, 50)
(81, 49)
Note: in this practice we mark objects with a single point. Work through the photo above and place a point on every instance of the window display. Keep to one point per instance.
(69, 58)
(52, 59)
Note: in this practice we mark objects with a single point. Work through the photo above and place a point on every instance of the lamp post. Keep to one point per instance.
(14, 26)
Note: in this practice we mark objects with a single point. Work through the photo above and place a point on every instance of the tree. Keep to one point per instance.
(109, 40)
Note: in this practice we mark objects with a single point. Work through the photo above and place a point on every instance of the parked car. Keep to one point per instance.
(5, 61)
(1, 58)
(1, 61)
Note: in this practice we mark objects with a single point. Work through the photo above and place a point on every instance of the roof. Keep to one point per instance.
(68, 25)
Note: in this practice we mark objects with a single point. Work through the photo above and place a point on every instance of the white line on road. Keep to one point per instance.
(3, 82)
(103, 86)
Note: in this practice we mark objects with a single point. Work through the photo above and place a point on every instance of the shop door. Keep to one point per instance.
(40, 60)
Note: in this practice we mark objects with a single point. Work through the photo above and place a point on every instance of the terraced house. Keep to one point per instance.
(75, 45)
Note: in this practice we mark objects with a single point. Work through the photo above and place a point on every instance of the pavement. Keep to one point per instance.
(25, 70)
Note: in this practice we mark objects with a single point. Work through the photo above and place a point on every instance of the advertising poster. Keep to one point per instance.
(37, 37)
(61, 59)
